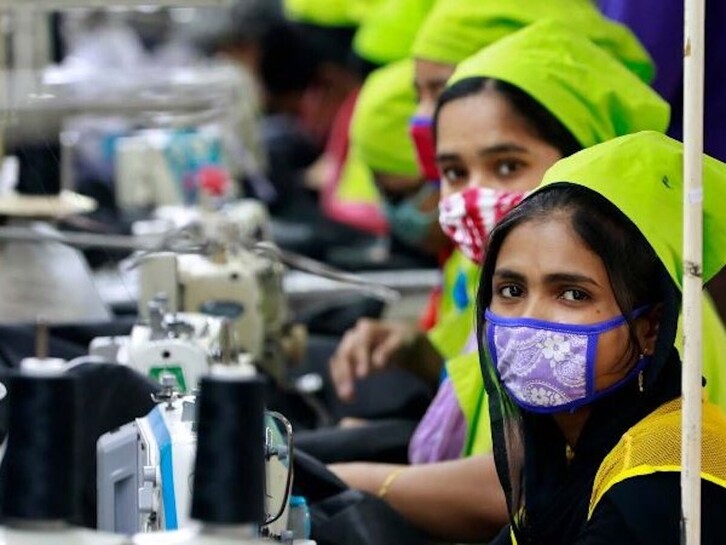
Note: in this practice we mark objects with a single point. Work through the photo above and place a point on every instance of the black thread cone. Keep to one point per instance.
(229, 474)
(40, 467)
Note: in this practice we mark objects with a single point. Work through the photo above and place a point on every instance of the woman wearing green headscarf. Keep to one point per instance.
(503, 121)
(456, 29)
(579, 303)
(494, 140)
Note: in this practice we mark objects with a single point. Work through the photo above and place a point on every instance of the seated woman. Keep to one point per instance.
(451, 32)
(578, 309)
(491, 136)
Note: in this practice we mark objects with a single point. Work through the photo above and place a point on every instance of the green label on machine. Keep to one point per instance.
(156, 371)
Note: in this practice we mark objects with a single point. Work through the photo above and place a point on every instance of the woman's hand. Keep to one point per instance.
(371, 346)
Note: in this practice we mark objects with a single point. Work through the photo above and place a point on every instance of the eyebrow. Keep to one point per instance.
(567, 278)
(491, 150)
(506, 147)
(508, 274)
(554, 278)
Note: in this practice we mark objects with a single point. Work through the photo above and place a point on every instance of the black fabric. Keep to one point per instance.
(394, 393)
(384, 441)
(335, 318)
(356, 518)
(313, 479)
(340, 516)
(646, 511)
(111, 395)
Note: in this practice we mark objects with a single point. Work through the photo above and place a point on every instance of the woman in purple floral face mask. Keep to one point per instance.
(578, 309)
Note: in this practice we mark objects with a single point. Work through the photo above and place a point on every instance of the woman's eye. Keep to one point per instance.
(505, 169)
(454, 175)
(510, 292)
(575, 295)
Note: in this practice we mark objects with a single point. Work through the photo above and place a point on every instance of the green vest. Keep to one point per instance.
(465, 375)
(456, 310)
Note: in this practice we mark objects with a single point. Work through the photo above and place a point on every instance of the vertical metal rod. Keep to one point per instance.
(693, 68)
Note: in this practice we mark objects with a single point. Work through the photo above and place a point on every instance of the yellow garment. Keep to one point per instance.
(455, 322)
(653, 445)
(356, 182)
(714, 352)
(466, 379)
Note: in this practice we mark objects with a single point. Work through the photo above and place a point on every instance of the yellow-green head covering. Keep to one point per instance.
(589, 91)
(330, 13)
(456, 29)
(379, 129)
(388, 32)
(642, 174)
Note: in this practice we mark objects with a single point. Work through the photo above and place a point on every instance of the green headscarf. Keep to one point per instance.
(379, 129)
(642, 174)
(590, 92)
(330, 13)
(457, 29)
(388, 32)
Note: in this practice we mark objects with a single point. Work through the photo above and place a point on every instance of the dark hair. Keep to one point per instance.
(544, 124)
(289, 61)
(637, 276)
(332, 44)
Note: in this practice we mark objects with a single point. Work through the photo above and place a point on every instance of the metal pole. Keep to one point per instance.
(693, 67)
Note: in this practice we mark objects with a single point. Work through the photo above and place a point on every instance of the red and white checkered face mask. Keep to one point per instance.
(469, 216)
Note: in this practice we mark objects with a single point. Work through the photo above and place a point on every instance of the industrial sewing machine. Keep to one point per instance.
(144, 471)
(231, 279)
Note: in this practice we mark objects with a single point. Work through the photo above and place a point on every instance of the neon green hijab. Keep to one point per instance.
(388, 32)
(590, 92)
(642, 174)
(330, 13)
(379, 129)
(456, 29)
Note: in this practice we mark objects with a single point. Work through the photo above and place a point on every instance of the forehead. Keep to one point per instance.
(549, 245)
(481, 120)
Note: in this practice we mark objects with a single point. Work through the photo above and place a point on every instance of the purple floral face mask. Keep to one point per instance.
(548, 367)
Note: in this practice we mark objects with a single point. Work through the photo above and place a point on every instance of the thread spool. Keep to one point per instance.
(229, 475)
(41, 480)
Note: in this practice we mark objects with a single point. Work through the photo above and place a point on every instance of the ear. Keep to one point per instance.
(646, 329)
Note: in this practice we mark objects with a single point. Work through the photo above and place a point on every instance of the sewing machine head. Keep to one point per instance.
(237, 284)
(145, 469)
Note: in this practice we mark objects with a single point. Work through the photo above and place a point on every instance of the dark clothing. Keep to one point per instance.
(643, 511)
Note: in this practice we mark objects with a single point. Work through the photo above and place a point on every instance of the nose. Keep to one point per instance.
(475, 179)
(534, 307)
